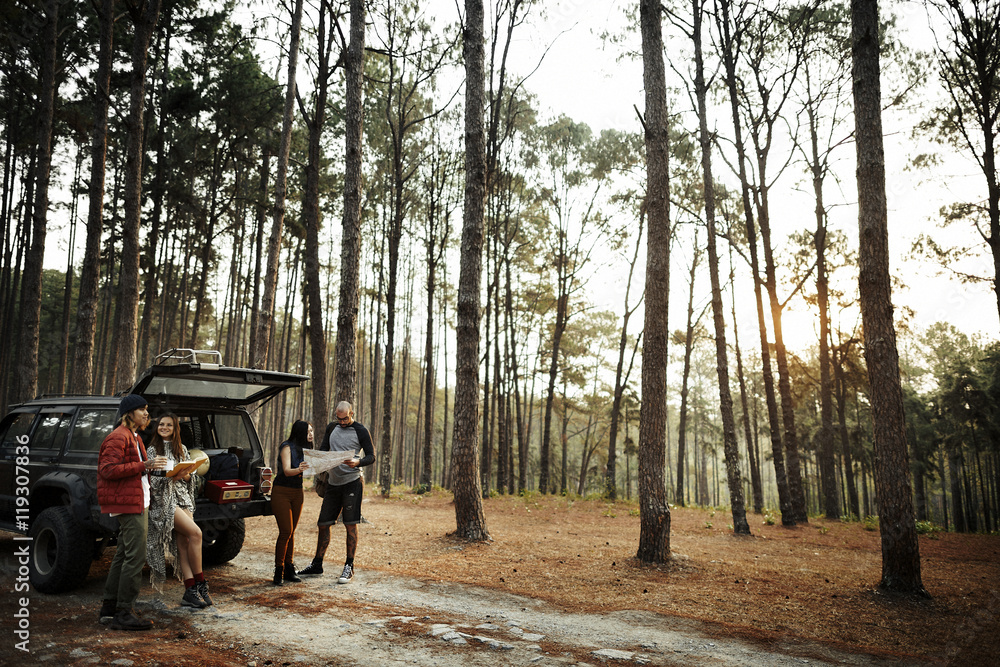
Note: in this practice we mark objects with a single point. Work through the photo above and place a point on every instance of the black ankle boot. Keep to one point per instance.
(290, 573)
(278, 571)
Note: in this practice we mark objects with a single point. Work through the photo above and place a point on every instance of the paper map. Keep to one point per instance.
(320, 461)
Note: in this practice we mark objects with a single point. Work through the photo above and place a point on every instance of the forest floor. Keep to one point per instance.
(558, 584)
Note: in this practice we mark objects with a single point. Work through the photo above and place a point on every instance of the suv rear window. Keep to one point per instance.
(195, 388)
(209, 431)
(231, 430)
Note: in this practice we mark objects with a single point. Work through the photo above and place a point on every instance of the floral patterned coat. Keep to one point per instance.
(166, 494)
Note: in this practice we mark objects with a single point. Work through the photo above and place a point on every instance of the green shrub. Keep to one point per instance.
(928, 528)
(529, 495)
(768, 518)
(870, 522)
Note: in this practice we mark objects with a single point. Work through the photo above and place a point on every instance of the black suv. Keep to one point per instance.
(49, 448)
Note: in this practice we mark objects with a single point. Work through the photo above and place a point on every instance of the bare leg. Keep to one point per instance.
(322, 543)
(352, 541)
(188, 543)
(182, 557)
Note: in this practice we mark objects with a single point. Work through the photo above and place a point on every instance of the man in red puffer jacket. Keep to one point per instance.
(123, 492)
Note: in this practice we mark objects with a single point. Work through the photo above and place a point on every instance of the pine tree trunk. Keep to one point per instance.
(900, 549)
(158, 192)
(205, 259)
(395, 234)
(260, 211)
(796, 491)
(345, 372)
(144, 18)
(777, 450)
(825, 436)
(429, 375)
(563, 438)
(265, 316)
(854, 507)
(748, 433)
(376, 373)
(60, 385)
(545, 484)
(654, 513)
(26, 368)
(522, 432)
(682, 424)
(703, 499)
(445, 458)
(955, 478)
(486, 446)
(500, 387)
(81, 381)
(311, 219)
(621, 377)
(469, 518)
(740, 525)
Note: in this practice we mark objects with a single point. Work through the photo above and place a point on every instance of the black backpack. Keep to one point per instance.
(224, 466)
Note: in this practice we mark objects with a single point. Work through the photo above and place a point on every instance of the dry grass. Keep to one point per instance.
(780, 585)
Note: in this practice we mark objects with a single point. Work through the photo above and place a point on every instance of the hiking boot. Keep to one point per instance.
(314, 569)
(202, 587)
(290, 573)
(107, 613)
(192, 599)
(346, 575)
(127, 620)
(278, 572)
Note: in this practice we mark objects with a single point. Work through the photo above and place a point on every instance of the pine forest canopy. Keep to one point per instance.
(163, 186)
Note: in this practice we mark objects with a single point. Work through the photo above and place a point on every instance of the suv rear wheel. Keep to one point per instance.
(227, 542)
(61, 551)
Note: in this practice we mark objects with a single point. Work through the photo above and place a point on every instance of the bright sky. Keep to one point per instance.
(586, 80)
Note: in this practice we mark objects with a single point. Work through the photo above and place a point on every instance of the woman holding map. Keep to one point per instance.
(173, 534)
(286, 498)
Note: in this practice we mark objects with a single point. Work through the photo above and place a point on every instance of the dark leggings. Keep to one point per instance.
(286, 503)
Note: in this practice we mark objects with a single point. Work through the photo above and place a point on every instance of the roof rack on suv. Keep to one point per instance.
(183, 355)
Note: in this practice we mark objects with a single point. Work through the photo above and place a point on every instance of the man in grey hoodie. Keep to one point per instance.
(346, 488)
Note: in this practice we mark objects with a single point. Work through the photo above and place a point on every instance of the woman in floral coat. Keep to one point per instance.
(173, 534)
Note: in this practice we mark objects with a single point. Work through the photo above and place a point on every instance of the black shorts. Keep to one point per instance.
(344, 498)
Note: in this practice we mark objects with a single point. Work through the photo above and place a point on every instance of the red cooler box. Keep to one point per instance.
(228, 490)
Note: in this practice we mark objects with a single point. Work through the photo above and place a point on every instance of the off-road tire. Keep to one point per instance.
(228, 542)
(60, 551)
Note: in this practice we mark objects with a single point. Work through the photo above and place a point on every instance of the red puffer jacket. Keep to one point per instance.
(120, 468)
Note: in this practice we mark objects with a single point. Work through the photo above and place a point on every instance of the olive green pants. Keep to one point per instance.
(125, 575)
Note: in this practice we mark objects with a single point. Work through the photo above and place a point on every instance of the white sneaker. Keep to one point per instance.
(346, 575)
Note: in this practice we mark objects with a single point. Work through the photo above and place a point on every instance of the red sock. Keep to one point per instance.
(188, 583)
(200, 577)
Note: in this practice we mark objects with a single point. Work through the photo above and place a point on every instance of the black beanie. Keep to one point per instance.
(129, 403)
